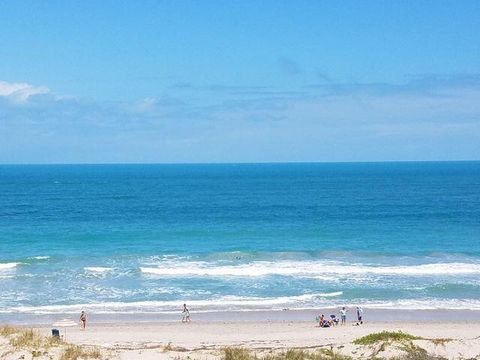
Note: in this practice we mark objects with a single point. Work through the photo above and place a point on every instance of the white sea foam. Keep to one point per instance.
(8, 266)
(97, 269)
(313, 269)
(41, 257)
(332, 294)
(7, 270)
(235, 303)
(222, 303)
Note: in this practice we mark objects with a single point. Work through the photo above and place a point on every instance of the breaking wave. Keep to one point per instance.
(237, 303)
(98, 269)
(8, 266)
(310, 269)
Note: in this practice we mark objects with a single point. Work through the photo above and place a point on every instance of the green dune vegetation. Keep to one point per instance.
(385, 336)
(29, 343)
(373, 347)
(231, 353)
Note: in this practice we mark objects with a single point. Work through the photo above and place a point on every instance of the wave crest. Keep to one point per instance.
(237, 303)
(312, 269)
(97, 269)
(8, 266)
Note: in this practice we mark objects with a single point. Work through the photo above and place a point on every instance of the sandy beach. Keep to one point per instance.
(205, 340)
(257, 335)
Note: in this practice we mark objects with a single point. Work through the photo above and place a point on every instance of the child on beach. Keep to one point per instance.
(83, 320)
(186, 314)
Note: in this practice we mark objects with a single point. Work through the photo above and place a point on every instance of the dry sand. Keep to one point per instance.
(202, 340)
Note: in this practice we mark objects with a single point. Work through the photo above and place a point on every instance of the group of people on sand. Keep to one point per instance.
(333, 320)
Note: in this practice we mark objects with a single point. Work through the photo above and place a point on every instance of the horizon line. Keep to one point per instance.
(238, 163)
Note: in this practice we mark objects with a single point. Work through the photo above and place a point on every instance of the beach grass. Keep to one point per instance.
(27, 338)
(168, 347)
(415, 352)
(23, 339)
(171, 347)
(235, 353)
(409, 350)
(403, 341)
(53, 341)
(75, 352)
(7, 330)
(385, 336)
(440, 341)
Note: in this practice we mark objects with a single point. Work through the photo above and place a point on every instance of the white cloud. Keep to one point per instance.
(337, 122)
(20, 92)
(146, 105)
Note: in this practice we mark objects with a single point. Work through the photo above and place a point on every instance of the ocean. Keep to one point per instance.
(121, 239)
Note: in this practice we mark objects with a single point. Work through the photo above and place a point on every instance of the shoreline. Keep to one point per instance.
(303, 316)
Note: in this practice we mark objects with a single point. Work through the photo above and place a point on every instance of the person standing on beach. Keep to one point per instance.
(359, 315)
(186, 314)
(343, 315)
(83, 320)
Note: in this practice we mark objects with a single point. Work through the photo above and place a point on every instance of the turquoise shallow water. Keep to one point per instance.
(146, 238)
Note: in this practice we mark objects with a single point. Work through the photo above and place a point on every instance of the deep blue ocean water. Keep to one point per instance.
(130, 238)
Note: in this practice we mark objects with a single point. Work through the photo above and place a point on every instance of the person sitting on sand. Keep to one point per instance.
(343, 315)
(322, 322)
(186, 314)
(333, 320)
(83, 320)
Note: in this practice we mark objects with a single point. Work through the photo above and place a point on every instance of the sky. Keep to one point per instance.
(239, 81)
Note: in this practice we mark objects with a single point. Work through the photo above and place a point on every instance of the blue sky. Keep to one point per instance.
(239, 81)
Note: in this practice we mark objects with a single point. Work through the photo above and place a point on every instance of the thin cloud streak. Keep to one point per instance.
(319, 122)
